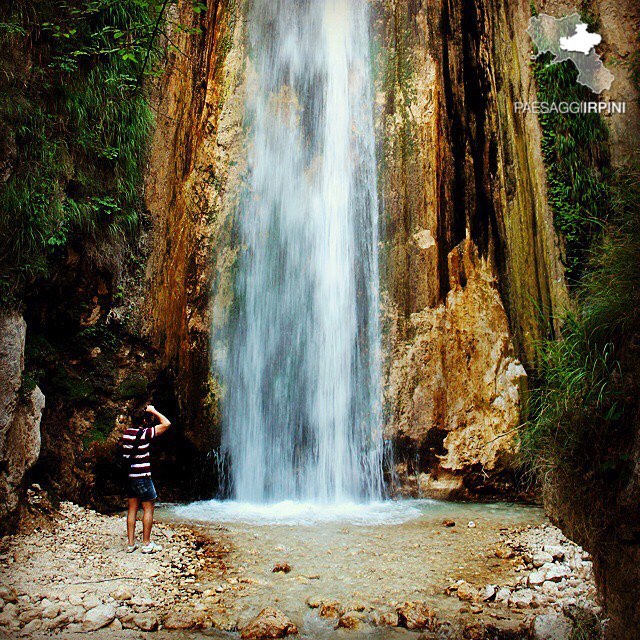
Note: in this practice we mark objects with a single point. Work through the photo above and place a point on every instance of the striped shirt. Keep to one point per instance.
(141, 466)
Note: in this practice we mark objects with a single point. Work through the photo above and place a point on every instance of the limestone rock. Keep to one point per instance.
(350, 620)
(521, 599)
(551, 626)
(182, 619)
(458, 383)
(415, 615)
(20, 415)
(330, 609)
(269, 623)
(147, 621)
(98, 617)
(121, 593)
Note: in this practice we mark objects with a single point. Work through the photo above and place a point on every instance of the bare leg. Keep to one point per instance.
(147, 521)
(134, 505)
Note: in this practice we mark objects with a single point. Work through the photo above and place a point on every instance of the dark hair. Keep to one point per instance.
(142, 418)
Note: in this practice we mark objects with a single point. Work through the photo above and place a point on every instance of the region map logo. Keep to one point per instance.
(568, 38)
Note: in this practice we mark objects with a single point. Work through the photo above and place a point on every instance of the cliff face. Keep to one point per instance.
(461, 173)
(195, 162)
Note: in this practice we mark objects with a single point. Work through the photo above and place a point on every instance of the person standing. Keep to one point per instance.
(136, 441)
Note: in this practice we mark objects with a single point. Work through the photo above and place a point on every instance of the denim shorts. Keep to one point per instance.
(142, 488)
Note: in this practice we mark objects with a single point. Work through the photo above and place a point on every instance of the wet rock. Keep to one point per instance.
(448, 523)
(269, 623)
(281, 567)
(551, 626)
(415, 615)
(350, 620)
(147, 621)
(98, 617)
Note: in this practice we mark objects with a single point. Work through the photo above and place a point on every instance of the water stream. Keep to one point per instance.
(302, 414)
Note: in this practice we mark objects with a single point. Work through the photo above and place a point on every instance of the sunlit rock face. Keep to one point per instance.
(471, 253)
(455, 383)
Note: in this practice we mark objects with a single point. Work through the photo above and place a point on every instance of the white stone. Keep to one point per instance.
(555, 551)
(541, 558)
(536, 578)
(556, 572)
(98, 617)
(521, 599)
(551, 626)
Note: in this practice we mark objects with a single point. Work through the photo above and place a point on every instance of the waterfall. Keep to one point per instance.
(301, 373)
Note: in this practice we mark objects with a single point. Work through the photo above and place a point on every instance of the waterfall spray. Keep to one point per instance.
(302, 408)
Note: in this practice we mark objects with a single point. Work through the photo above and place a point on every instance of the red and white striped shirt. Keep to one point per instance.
(141, 466)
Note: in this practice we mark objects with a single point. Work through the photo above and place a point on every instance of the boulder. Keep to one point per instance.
(147, 621)
(416, 615)
(121, 593)
(269, 623)
(98, 617)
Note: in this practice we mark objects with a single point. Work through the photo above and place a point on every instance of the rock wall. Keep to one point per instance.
(20, 413)
(195, 163)
(457, 165)
(608, 523)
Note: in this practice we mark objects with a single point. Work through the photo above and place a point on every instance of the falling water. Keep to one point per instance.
(302, 415)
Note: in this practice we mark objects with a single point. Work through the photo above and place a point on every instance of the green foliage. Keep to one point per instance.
(80, 118)
(70, 385)
(574, 151)
(588, 389)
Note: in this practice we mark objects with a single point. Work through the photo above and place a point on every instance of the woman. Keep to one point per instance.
(136, 442)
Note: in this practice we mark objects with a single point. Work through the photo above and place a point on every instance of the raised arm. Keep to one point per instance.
(164, 421)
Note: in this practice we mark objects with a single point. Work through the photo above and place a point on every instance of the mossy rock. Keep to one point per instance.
(102, 427)
(71, 385)
(132, 387)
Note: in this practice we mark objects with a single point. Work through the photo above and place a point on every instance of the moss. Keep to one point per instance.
(70, 385)
(132, 387)
(102, 427)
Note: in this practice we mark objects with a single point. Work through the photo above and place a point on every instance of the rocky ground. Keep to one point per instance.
(74, 577)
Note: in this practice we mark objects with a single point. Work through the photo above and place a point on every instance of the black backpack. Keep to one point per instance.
(122, 464)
